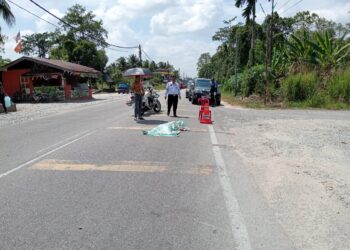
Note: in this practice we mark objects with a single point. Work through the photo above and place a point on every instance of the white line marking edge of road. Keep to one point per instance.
(43, 155)
(239, 229)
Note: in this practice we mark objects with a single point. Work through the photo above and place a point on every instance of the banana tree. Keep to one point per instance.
(330, 52)
(301, 49)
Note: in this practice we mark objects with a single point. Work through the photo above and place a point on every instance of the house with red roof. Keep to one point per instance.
(22, 77)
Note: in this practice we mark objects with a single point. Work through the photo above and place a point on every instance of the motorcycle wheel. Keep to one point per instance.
(157, 107)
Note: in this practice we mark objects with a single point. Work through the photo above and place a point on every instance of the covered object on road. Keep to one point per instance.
(26, 75)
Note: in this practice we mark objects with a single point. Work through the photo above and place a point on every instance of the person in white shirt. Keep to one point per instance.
(172, 93)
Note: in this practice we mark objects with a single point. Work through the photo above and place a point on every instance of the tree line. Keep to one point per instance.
(304, 58)
(80, 38)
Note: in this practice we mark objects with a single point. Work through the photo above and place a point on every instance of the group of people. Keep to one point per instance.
(172, 95)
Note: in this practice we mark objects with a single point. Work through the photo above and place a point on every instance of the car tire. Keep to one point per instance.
(194, 101)
(218, 102)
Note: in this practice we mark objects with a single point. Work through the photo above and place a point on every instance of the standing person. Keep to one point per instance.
(172, 93)
(2, 97)
(213, 91)
(139, 92)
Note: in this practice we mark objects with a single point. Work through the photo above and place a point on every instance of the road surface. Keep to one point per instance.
(89, 179)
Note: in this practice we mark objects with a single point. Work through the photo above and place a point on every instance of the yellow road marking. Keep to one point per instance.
(126, 166)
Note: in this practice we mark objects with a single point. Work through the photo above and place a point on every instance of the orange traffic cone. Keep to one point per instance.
(204, 115)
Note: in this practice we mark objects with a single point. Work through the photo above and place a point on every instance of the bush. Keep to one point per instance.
(253, 80)
(339, 86)
(299, 87)
(318, 100)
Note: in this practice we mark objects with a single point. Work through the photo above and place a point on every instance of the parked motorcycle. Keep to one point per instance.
(150, 101)
(40, 97)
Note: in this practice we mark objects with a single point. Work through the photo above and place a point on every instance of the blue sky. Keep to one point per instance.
(177, 31)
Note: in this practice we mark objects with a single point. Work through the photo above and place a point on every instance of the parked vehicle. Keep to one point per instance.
(40, 97)
(201, 88)
(182, 85)
(150, 101)
(123, 88)
(188, 88)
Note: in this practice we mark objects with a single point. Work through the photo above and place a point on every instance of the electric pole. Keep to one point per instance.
(236, 64)
(140, 55)
(268, 54)
(271, 31)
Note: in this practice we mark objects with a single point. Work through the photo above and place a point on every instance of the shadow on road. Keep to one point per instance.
(151, 122)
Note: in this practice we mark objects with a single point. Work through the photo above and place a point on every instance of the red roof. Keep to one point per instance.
(57, 64)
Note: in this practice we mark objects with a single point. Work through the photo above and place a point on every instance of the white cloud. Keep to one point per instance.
(182, 53)
(186, 16)
(43, 26)
(338, 13)
(144, 5)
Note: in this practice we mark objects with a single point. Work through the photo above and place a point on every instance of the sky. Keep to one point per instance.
(178, 31)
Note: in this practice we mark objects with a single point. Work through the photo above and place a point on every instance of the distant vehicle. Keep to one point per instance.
(188, 88)
(201, 88)
(182, 85)
(123, 88)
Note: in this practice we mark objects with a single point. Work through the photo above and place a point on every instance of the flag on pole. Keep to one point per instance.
(18, 37)
(19, 47)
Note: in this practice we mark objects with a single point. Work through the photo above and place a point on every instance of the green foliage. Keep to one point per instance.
(39, 44)
(329, 52)
(300, 87)
(4, 61)
(133, 61)
(85, 25)
(6, 13)
(156, 80)
(253, 80)
(339, 86)
(204, 59)
(86, 53)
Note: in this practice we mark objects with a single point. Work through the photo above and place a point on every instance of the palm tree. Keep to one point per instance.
(249, 14)
(5, 12)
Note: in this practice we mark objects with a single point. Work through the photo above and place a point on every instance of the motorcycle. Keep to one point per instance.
(40, 97)
(149, 101)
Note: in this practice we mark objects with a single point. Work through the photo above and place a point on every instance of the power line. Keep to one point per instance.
(118, 50)
(283, 5)
(33, 14)
(147, 55)
(262, 9)
(96, 39)
(292, 6)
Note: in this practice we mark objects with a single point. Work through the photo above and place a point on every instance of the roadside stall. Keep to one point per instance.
(57, 80)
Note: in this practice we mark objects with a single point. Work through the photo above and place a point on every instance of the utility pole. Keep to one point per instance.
(140, 55)
(268, 54)
(271, 30)
(236, 64)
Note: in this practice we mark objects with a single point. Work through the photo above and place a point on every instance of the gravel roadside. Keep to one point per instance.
(29, 111)
(300, 160)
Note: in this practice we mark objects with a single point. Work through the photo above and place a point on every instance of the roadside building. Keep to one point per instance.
(26, 75)
(165, 74)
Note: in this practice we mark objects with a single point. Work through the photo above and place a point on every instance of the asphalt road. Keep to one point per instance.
(89, 179)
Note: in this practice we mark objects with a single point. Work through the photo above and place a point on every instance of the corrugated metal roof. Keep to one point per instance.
(58, 64)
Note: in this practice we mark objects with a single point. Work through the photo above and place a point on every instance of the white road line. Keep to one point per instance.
(43, 155)
(239, 230)
(60, 142)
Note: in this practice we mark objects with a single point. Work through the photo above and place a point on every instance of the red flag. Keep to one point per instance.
(19, 47)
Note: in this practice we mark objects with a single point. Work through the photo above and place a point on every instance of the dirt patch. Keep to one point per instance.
(302, 167)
